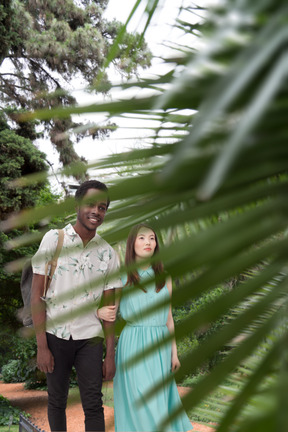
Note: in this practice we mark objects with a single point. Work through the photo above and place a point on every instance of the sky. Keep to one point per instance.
(160, 32)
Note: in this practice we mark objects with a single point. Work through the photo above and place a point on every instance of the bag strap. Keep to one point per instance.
(52, 264)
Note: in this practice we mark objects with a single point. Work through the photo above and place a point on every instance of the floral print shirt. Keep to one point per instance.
(81, 275)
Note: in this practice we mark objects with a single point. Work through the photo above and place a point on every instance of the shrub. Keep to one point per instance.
(193, 339)
(11, 372)
(22, 364)
(22, 367)
(7, 345)
(8, 415)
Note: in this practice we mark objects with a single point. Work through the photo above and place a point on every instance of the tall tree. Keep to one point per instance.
(47, 44)
(18, 157)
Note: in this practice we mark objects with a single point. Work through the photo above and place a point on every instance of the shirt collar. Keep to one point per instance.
(71, 232)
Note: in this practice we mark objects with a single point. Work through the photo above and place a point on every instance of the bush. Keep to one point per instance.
(192, 340)
(190, 381)
(11, 372)
(21, 366)
(186, 345)
(8, 414)
(7, 345)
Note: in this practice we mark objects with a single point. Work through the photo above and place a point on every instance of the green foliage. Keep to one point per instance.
(22, 364)
(8, 414)
(185, 345)
(47, 44)
(18, 157)
(7, 28)
(46, 196)
(11, 372)
(13, 428)
(210, 409)
(18, 362)
(5, 347)
(10, 300)
(191, 341)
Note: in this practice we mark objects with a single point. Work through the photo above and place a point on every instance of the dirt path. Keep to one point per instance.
(34, 402)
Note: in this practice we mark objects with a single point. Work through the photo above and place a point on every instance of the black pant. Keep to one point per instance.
(86, 356)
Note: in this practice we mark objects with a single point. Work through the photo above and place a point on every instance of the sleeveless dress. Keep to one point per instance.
(134, 412)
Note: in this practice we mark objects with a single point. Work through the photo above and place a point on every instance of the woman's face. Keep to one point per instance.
(145, 244)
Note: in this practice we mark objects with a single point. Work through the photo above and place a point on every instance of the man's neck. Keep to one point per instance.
(84, 234)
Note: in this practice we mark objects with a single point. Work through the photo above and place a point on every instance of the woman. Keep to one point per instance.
(133, 410)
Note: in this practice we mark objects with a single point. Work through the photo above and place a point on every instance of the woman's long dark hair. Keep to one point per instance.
(133, 277)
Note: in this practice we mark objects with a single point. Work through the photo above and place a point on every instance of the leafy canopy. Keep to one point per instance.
(47, 45)
(18, 157)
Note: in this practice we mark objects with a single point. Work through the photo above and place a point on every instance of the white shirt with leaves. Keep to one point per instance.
(81, 275)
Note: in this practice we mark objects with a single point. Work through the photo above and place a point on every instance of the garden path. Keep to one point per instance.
(34, 402)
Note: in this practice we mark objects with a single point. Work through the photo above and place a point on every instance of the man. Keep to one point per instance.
(66, 338)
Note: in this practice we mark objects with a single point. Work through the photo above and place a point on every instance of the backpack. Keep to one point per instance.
(26, 281)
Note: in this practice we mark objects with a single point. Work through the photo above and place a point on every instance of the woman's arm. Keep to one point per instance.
(175, 363)
(108, 313)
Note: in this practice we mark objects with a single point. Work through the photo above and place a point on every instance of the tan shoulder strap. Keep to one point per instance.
(50, 267)
(59, 245)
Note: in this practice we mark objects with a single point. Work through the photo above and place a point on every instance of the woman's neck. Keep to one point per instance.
(143, 265)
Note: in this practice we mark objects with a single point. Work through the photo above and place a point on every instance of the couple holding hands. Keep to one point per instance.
(70, 329)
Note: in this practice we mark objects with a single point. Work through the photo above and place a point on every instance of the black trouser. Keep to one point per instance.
(86, 356)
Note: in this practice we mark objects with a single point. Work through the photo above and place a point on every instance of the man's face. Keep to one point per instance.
(92, 212)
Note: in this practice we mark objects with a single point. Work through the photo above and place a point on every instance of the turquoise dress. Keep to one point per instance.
(131, 383)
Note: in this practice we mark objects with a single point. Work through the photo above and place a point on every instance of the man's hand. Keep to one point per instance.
(45, 360)
(108, 368)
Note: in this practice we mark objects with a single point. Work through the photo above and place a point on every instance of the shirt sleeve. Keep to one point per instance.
(45, 252)
(113, 279)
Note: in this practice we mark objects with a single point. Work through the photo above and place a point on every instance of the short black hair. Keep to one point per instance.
(90, 184)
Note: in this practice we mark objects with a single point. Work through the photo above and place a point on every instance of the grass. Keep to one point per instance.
(13, 428)
(108, 400)
(108, 396)
(208, 408)
(211, 407)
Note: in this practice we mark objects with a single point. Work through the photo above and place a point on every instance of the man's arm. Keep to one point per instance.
(45, 360)
(109, 329)
(109, 313)
(118, 292)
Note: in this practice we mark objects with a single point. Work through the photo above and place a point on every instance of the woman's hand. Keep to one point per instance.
(175, 364)
(107, 313)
